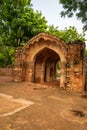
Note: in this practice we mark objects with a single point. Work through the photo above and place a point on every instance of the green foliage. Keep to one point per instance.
(58, 75)
(85, 52)
(6, 56)
(58, 69)
(19, 22)
(79, 7)
(58, 66)
(68, 34)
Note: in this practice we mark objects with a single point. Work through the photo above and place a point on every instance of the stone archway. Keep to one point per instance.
(36, 61)
(41, 56)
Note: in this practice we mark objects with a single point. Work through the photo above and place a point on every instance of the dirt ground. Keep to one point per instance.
(50, 108)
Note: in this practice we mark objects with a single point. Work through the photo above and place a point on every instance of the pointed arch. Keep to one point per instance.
(41, 54)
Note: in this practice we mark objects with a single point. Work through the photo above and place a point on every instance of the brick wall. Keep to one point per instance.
(6, 72)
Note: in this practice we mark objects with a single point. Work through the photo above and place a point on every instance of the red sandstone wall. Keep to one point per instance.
(6, 72)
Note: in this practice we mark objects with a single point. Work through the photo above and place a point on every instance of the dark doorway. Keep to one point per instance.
(45, 74)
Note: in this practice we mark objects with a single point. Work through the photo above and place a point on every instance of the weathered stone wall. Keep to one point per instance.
(18, 65)
(6, 72)
(38, 74)
(85, 72)
(74, 67)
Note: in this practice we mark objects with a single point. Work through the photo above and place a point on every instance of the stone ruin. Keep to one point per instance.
(36, 62)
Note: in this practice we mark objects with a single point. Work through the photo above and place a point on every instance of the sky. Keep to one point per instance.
(51, 10)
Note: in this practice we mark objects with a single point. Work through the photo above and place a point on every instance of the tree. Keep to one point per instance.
(75, 6)
(6, 56)
(68, 34)
(19, 22)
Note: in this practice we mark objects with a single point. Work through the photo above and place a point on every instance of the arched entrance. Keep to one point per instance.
(45, 65)
(37, 61)
(39, 58)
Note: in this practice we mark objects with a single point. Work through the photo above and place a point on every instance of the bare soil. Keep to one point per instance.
(52, 108)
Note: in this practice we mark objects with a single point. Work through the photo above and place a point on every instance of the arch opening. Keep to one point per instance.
(45, 66)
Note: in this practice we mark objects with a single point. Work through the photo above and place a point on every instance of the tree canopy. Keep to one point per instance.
(78, 7)
(68, 34)
(19, 22)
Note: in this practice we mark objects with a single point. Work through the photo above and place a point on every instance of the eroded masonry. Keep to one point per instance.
(37, 62)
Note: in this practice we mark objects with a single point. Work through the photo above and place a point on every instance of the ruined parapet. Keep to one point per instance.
(74, 66)
(18, 65)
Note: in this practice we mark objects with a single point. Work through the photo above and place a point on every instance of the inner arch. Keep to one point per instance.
(45, 65)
